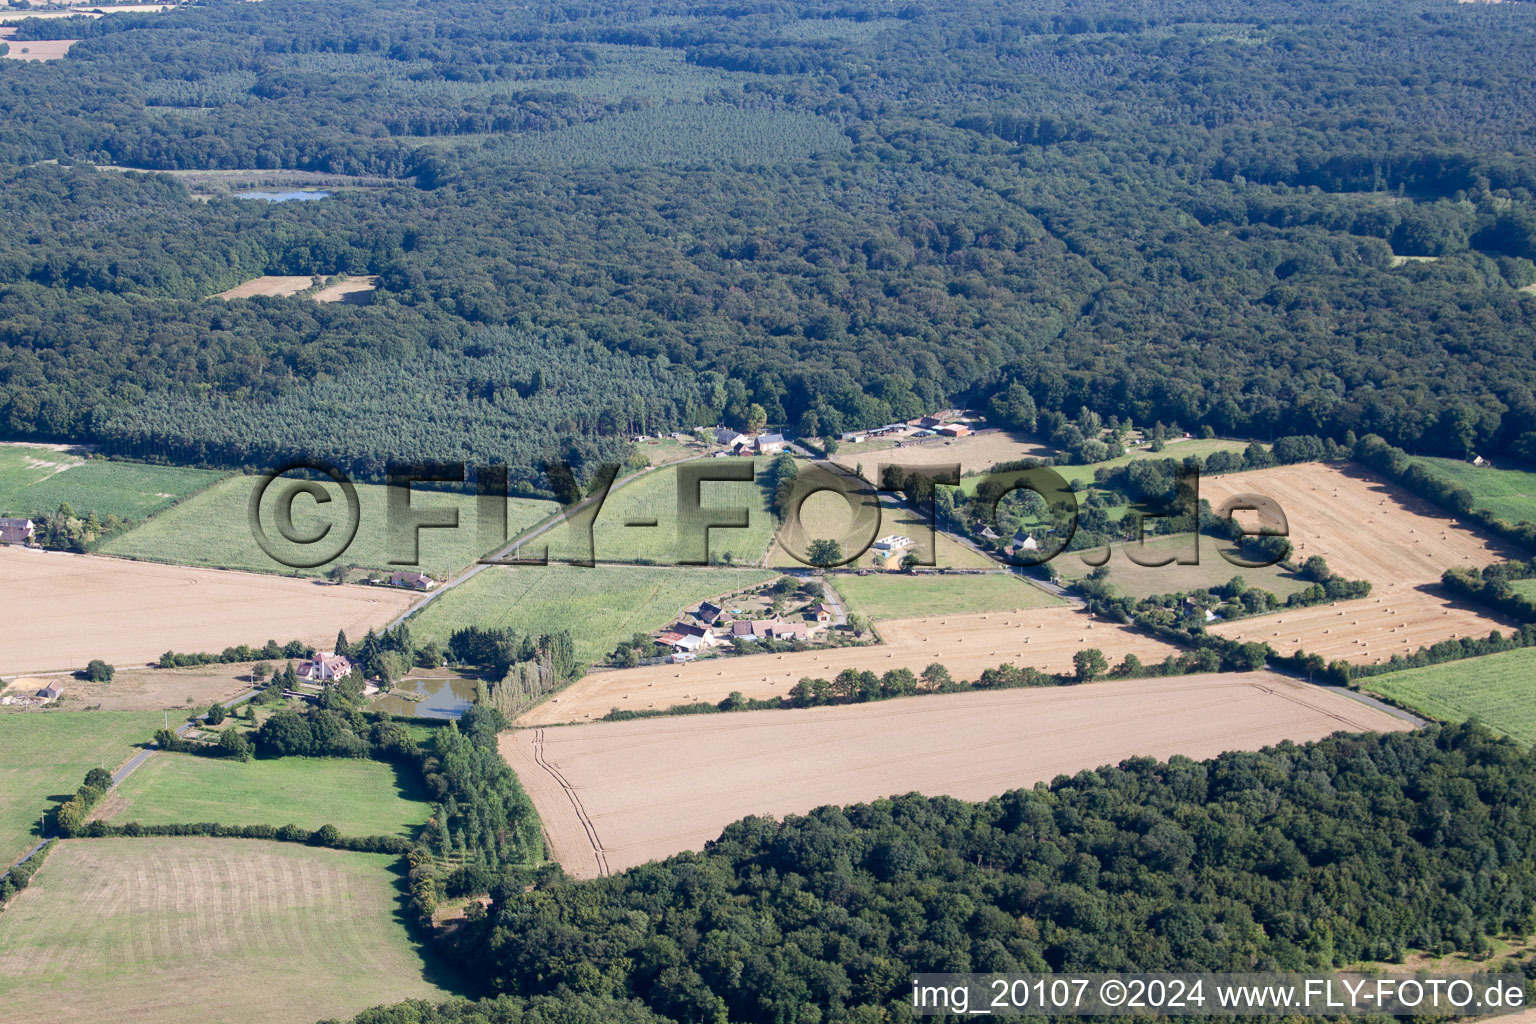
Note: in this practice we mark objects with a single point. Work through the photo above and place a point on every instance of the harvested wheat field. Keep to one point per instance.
(353, 291)
(1393, 620)
(176, 931)
(616, 794)
(79, 607)
(975, 454)
(1042, 638)
(1367, 529)
(39, 49)
(269, 285)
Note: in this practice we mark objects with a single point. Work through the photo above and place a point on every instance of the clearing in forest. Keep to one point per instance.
(615, 794)
(275, 285)
(189, 930)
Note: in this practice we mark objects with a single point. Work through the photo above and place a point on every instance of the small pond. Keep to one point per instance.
(440, 697)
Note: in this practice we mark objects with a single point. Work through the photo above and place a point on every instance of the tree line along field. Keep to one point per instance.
(1509, 493)
(899, 595)
(967, 645)
(359, 797)
(45, 754)
(213, 529)
(616, 794)
(35, 481)
(189, 930)
(1498, 690)
(600, 605)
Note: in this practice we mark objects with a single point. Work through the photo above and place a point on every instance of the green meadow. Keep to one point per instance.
(359, 797)
(892, 595)
(600, 606)
(1509, 494)
(35, 481)
(214, 529)
(1499, 690)
(45, 754)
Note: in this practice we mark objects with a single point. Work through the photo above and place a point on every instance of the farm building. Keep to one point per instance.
(954, 430)
(728, 437)
(709, 614)
(853, 436)
(51, 691)
(17, 531)
(324, 668)
(820, 613)
(770, 444)
(412, 580)
(770, 628)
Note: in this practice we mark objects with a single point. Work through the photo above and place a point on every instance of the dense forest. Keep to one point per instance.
(1356, 848)
(592, 220)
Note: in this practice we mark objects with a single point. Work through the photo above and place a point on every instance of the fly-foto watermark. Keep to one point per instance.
(314, 513)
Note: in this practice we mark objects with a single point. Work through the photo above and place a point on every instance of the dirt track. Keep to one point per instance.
(1043, 638)
(72, 608)
(616, 794)
(1367, 529)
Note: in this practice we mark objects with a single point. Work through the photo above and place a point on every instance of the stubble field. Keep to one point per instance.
(80, 607)
(186, 931)
(1042, 638)
(1372, 530)
(616, 794)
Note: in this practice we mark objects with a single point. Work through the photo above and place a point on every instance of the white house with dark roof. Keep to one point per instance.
(17, 531)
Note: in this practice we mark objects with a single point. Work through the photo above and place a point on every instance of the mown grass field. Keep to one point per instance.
(361, 798)
(214, 529)
(186, 931)
(600, 606)
(1509, 494)
(35, 481)
(653, 498)
(898, 595)
(1499, 689)
(44, 754)
(1146, 581)
(827, 516)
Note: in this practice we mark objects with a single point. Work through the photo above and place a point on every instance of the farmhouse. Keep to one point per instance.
(709, 614)
(772, 629)
(325, 668)
(17, 531)
(413, 580)
(820, 613)
(728, 437)
(769, 444)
